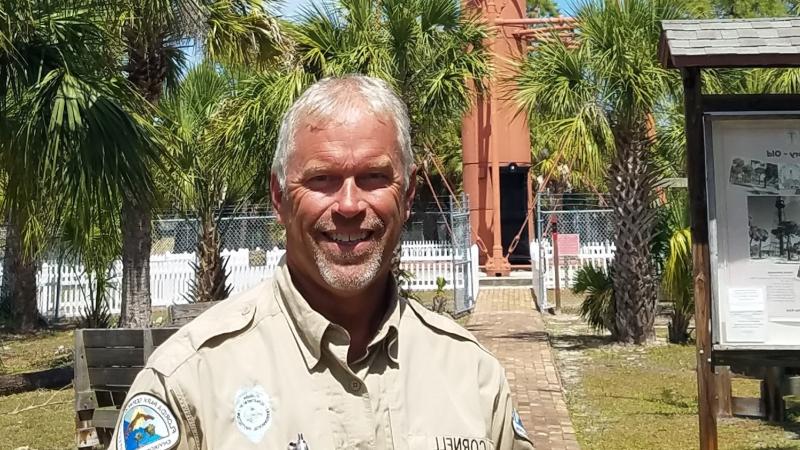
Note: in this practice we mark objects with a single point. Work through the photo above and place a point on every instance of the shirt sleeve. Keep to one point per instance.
(508, 431)
(154, 412)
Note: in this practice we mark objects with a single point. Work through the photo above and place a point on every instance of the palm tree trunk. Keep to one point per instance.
(632, 182)
(147, 72)
(136, 245)
(212, 278)
(19, 278)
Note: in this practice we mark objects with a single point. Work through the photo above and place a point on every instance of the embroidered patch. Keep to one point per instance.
(252, 412)
(517, 424)
(147, 424)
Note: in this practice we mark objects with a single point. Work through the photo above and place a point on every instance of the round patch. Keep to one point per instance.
(147, 424)
(516, 422)
(252, 412)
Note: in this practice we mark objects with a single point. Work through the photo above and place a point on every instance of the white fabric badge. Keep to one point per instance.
(252, 412)
(147, 424)
(516, 422)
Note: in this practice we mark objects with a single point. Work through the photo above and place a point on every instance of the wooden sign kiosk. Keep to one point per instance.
(739, 323)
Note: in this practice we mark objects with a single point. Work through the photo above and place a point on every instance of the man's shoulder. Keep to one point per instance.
(445, 328)
(225, 320)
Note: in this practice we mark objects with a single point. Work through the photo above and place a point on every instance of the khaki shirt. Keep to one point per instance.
(262, 367)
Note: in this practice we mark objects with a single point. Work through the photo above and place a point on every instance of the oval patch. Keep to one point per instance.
(252, 412)
(147, 424)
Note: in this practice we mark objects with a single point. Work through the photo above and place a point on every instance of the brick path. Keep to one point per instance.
(506, 322)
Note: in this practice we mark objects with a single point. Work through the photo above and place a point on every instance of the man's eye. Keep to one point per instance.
(377, 176)
(320, 179)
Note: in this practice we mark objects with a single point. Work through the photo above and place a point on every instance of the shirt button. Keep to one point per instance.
(355, 386)
(245, 310)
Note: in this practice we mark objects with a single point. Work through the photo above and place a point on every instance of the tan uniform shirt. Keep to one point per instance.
(263, 367)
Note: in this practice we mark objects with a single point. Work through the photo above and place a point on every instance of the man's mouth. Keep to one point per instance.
(348, 238)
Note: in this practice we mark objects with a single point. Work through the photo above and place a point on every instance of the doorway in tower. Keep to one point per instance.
(513, 212)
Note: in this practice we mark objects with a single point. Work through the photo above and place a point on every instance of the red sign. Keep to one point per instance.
(569, 244)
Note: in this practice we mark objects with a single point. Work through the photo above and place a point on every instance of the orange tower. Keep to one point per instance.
(496, 137)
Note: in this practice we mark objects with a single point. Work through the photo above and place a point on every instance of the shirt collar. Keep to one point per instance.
(309, 327)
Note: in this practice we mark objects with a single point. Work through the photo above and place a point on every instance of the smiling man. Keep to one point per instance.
(327, 355)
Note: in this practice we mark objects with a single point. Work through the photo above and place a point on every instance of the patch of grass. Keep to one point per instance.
(426, 299)
(48, 427)
(630, 398)
(39, 351)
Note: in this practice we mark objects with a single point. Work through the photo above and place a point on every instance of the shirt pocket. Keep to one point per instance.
(448, 442)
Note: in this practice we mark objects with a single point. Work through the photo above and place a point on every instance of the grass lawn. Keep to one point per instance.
(626, 397)
(43, 350)
(42, 427)
(41, 419)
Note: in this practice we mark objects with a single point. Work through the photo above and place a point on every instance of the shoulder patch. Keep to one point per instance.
(147, 424)
(443, 324)
(516, 423)
(229, 316)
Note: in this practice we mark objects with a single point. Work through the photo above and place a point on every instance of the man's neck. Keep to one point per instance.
(358, 313)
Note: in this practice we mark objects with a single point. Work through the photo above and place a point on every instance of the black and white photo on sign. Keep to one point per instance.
(790, 176)
(754, 173)
(774, 227)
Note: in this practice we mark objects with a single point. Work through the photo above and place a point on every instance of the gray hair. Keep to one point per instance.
(330, 98)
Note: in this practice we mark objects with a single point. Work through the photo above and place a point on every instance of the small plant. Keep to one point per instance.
(597, 309)
(439, 298)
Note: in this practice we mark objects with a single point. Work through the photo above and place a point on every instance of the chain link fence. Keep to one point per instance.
(252, 229)
(584, 223)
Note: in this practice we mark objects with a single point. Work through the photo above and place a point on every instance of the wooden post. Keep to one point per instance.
(556, 262)
(724, 396)
(771, 395)
(696, 171)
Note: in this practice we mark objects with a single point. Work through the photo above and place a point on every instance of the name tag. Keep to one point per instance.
(458, 443)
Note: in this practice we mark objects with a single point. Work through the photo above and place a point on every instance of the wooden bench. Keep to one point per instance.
(180, 315)
(106, 362)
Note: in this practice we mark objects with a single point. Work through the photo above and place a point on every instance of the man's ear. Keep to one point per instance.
(276, 196)
(411, 190)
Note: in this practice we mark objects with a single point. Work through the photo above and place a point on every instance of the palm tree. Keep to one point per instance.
(428, 50)
(154, 33)
(677, 279)
(71, 133)
(595, 103)
(205, 188)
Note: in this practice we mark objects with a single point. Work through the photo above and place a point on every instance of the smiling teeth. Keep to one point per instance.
(344, 237)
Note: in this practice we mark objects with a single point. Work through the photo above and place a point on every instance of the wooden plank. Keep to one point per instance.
(723, 391)
(747, 407)
(105, 417)
(162, 334)
(751, 102)
(147, 349)
(114, 356)
(112, 376)
(757, 358)
(80, 381)
(696, 173)
(180, 315)
(113, 338)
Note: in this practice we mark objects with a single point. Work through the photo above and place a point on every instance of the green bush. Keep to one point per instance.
(598, 308)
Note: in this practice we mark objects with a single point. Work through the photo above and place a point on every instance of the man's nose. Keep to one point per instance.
(349, 203)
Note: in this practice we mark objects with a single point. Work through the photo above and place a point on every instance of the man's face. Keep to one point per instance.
(344, 204)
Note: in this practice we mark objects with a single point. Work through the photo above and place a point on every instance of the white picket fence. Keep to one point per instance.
(427, 261)
(171, 274)
(598, 254)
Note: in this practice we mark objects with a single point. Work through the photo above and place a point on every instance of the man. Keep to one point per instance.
(326, 355)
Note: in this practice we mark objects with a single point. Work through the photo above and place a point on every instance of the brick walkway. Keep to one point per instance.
(506, 322)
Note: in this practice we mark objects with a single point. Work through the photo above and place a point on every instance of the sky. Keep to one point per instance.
(292, 7)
